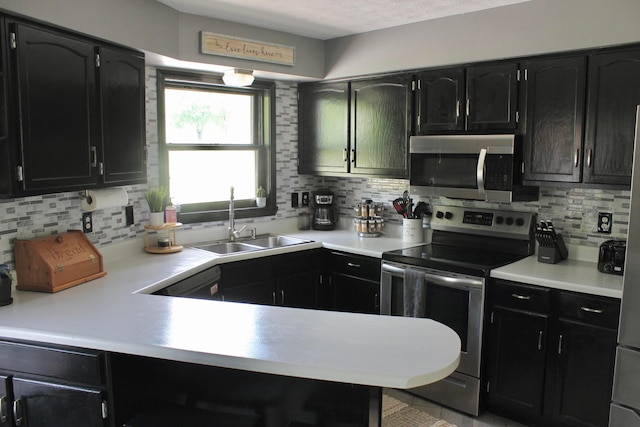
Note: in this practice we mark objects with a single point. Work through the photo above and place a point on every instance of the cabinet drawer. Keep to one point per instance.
(66, 364)
(520, 296)
(595, 310)
(355, 265)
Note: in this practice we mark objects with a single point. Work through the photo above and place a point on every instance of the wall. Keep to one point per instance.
(573, 211)
(529, 28)
(168, 36)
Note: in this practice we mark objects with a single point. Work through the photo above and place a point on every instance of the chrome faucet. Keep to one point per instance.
(232, 222)
(233, 233)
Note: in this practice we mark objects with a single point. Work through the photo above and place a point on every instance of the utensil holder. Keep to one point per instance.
(555, 253)
(412, 231)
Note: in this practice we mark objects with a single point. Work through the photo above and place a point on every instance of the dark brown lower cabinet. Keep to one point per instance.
(354, 282)
(291, 280)
(551, 355)
(52, 386)
(44, 404)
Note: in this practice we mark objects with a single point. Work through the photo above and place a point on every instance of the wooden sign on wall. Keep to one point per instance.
(220, 44)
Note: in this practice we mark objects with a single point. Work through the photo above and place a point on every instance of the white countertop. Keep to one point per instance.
(116, 313)
(110, 314)
(579, 273)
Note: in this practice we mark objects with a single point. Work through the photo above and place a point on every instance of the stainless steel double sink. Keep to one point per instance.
(263, 242)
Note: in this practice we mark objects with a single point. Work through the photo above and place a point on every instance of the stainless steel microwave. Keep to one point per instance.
(474, 167)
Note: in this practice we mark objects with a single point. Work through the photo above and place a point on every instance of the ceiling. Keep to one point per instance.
(328, 19)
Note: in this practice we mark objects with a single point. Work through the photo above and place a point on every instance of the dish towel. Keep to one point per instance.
(414, 292)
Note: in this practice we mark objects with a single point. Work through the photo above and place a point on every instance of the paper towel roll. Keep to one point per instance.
(105, 198)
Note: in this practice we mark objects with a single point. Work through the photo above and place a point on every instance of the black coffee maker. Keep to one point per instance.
(325, 214)
(5, 285)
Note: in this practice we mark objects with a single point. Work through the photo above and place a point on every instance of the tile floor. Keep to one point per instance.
(461, 420)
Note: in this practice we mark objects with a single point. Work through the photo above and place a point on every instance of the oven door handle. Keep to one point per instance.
(443, 280)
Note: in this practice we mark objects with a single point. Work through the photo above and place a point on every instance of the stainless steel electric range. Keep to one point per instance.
(445, 281)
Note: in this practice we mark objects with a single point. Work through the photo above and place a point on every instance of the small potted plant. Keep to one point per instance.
(261, 197)
(156, 198)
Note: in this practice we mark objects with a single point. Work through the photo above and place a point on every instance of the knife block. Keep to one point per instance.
(553, 254)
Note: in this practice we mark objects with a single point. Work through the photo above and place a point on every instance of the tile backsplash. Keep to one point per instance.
(573, 211)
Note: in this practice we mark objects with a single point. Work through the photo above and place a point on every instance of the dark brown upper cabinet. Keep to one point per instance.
(555, 99)
(80, 120)
(613, 95)
(492, 97)
(360, 127)
(323, 128)
(56, 85)
(476, 98)
(122, 85)
(380, 126)
(440, 95)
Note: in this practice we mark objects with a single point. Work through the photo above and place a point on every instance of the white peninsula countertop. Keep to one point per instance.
(117, 314)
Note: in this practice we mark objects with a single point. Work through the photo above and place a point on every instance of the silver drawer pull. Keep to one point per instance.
(591, 310)
(522, 297)
(350, 264)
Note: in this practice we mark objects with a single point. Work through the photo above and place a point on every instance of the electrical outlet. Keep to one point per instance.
(294, 200)
(305, 198)
(87, 222)
(605, 221)
(128, 214)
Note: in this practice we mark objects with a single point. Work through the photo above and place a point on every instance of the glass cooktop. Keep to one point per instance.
(465, 260)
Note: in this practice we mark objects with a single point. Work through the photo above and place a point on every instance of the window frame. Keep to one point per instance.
(265, 140)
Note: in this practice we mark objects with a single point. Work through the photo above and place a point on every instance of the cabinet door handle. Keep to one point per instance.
(351, 264)
(94, 157)
(376, 301)
(273, 297)
(457, 109)
(589, 154)
(560, 345)
(353, 155)
(3, 409)
(17, 411)
(468, 106)
(540, 341)
(345, 157)
(282, 296)
(576, 157)
(591, 310)
(522, 297)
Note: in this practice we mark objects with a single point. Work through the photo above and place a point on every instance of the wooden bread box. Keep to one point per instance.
(54, 263)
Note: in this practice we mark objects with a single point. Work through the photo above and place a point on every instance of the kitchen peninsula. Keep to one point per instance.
(287, 365)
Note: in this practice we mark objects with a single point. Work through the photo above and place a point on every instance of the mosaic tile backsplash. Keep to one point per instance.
(574, 212)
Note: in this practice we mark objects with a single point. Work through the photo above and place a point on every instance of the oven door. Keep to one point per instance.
(455, 300)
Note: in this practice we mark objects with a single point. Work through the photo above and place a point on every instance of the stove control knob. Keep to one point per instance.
(519, 222)
(499, 220)
(439, 215)
(448, 215)
(509, 220)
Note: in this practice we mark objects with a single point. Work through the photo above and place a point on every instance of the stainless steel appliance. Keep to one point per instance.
(325, 214)
(611, 257)
(445, 281)
(477, 167)
(625, 409)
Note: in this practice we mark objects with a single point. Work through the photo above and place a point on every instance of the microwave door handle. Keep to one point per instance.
(480, 170)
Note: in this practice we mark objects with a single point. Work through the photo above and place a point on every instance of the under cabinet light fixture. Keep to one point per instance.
(238, 77)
